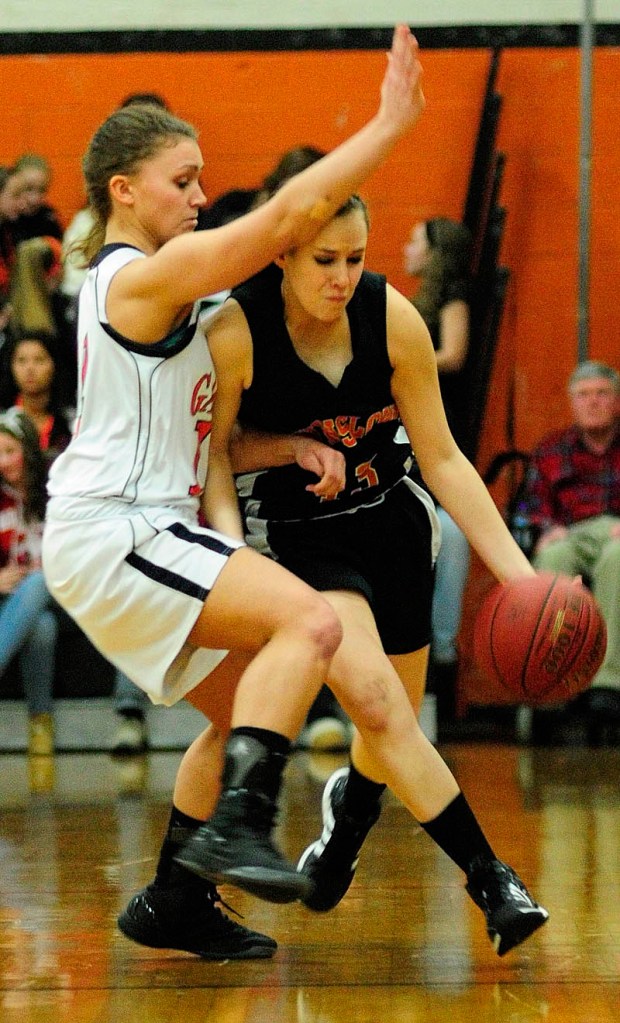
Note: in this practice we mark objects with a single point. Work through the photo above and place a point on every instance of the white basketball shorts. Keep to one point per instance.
(135, 584)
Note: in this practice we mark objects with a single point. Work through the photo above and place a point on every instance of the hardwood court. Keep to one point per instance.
(79, 834)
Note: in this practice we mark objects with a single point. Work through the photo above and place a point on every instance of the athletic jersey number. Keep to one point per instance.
(366, 474)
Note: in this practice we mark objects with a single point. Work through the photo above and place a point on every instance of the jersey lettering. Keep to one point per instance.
(203, 397)
(347, 430)
(366, 474)
(203, 429)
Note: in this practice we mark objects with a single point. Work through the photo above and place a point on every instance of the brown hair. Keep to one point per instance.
(34, 161)
(449, 261)
(292, 162)
(17, 424)
(127, 138)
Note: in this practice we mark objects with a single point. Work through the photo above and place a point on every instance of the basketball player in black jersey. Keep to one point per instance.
(316, 348)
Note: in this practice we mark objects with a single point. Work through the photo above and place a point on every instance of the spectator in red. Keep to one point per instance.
(573, 492)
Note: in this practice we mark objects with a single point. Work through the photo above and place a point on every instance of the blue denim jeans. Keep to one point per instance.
(29, 628)
(451, 571)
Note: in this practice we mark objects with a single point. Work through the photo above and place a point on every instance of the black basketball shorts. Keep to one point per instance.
(383, 550)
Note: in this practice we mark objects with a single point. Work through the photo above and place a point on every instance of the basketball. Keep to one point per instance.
(541, 639)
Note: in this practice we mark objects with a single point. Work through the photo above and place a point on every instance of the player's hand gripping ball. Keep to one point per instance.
(541, 638)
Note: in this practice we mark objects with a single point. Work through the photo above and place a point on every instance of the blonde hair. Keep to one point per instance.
(30, 293)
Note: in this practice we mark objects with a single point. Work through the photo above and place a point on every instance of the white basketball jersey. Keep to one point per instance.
(143, 412)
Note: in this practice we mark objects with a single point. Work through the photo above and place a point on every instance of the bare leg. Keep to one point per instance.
(256, 606)
(411, 670)
(199, 777)
(391, 747)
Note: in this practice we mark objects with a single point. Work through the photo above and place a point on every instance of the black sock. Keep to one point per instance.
(255, 759)
(457, 832)
(132, 714)
(180, 828)
(360, 793)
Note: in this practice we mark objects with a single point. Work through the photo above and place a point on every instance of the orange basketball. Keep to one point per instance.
(541, 638)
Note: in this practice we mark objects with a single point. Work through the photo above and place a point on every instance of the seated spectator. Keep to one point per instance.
(573, 499)
(37, 219)
(439, 253)
(144, 97)
(36, 300)
(292, 162)
(28, 625)
(32, 384)
(11, 205)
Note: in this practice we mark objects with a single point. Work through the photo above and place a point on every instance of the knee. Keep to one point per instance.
(33, 591)
(322, 627)
(369, 705)
(45, 631)
(609, 558)
(555, 557)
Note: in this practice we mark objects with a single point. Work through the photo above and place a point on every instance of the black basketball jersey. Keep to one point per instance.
(358, 416)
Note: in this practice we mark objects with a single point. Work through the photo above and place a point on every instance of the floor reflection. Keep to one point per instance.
(80, 834)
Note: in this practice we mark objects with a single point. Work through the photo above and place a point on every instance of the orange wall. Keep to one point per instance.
(252, 106)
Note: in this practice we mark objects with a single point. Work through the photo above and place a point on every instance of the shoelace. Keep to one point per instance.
(216, 900)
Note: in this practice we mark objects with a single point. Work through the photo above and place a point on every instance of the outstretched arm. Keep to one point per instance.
(445, 469)
(149, 292)
(255, 449)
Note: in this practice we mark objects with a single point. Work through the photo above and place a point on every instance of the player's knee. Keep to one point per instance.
(370, 705)
(319, 625)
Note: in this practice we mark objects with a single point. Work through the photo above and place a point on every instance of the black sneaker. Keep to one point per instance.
(188, 919)
(330, 862)
(510, 911)
(235, 847)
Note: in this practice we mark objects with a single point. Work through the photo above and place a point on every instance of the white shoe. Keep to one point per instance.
(130, 737)
(41, 735)
(329, 733)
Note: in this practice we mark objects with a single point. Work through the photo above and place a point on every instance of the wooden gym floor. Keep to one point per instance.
(79, 833)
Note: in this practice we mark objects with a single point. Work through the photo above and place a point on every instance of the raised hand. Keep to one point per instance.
(402, 98)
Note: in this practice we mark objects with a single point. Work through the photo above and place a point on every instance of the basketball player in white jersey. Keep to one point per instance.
(161, 597)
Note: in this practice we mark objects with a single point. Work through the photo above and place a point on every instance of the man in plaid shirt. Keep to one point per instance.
(573, 492)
